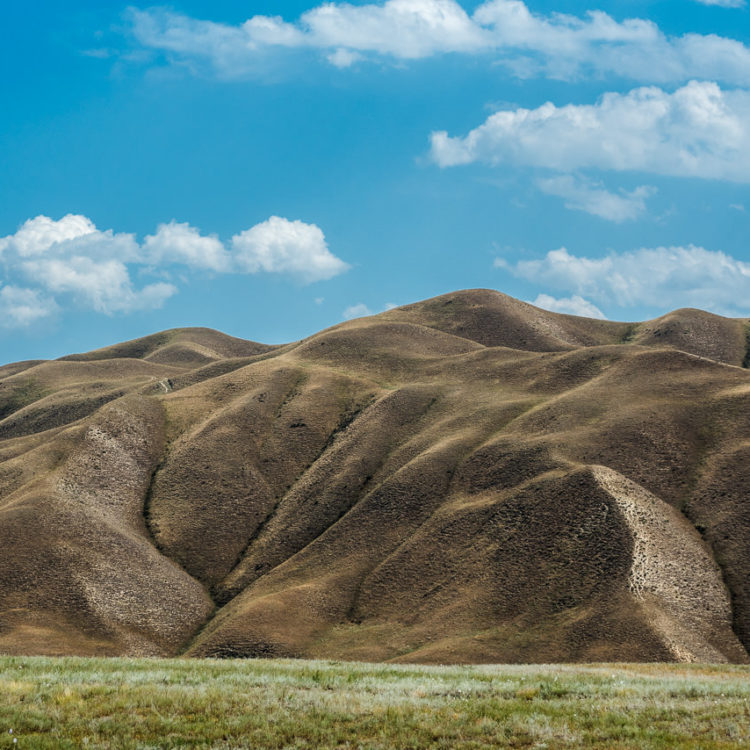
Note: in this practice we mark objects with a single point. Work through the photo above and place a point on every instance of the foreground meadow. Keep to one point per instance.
(150, 703)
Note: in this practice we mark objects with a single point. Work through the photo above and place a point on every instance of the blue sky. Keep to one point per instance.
(270, 168)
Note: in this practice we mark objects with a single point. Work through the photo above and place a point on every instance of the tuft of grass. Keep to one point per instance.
(629, 333)
(151, 703)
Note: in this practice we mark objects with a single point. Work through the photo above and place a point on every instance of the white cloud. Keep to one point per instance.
(227, 47)
(401, 28)
(22, 307)
(39, 234)
(99, 53)
(70, 256)
(574, 305)
(724, 3)
(584, 195)
(697, 131)
(282, 246)
(103, 286)
(663, 277)
(356, 311)
(181, 243)
(557, 45)
(72, 235)
(343, 58)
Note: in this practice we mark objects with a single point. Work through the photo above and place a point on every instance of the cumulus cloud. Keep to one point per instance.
(656, 277)
(557, 45)
(574, 305)
(593, 198)
(70, 236)
(181, 243)
(70, 258)
(356, 311)
(39, 234)
(697, 131)
(282, 246)
(103, 286)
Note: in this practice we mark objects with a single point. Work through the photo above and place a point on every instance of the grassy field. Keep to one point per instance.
(149, 703)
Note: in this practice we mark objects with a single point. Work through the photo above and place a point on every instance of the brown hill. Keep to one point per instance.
(468, 478)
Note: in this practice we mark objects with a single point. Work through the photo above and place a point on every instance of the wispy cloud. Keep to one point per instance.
(724, 3)
(359, 310)
(20, 308)
(555, 45)
(47, 263)
(585, 195)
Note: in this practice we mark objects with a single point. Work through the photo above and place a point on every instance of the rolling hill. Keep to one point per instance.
(464, 479)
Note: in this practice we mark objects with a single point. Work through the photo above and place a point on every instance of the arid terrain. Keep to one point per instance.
(465, 479)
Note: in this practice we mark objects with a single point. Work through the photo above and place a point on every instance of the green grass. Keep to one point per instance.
(150, 703)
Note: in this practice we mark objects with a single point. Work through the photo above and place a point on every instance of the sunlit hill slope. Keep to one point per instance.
(465, 479)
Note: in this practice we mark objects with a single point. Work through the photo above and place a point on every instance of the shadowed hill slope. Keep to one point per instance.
(467, 478)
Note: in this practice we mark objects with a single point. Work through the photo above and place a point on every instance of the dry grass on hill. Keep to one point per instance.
(468, 478)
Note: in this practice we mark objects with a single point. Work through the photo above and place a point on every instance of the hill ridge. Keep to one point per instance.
(468, 478)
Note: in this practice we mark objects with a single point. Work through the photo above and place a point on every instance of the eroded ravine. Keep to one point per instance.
(674, 576)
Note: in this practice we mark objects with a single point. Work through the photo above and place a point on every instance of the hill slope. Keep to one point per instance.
(467, 478)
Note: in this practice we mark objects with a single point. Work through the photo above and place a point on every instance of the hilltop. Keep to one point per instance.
(464, 479)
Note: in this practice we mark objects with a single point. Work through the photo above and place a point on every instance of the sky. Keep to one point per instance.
(269, 169)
